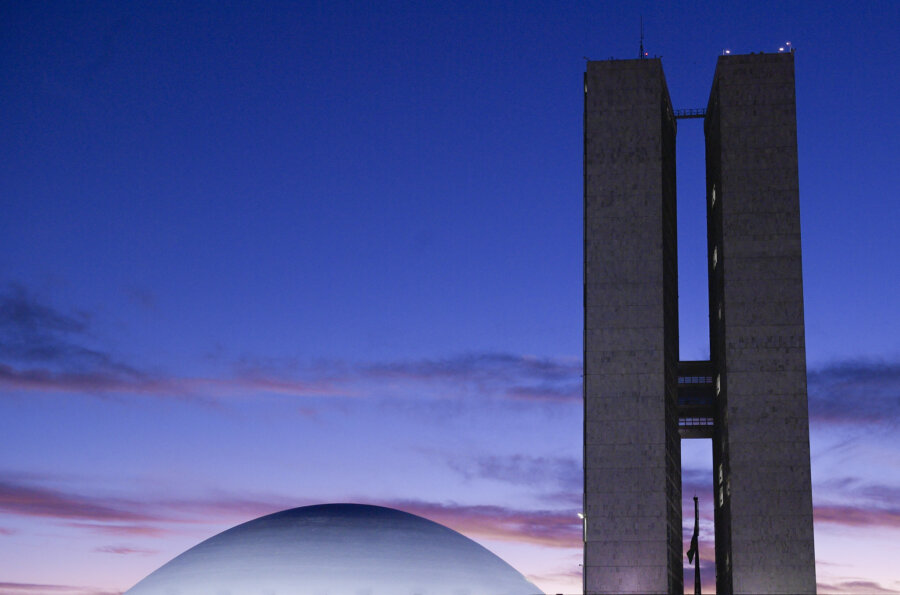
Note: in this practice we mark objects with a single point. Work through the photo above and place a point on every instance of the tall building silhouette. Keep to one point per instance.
(640, 399)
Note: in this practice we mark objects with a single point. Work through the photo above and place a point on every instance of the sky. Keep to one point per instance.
(256, 256)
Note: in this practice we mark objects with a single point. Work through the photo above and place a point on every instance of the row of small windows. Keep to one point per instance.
(690, 422)
(695, 380)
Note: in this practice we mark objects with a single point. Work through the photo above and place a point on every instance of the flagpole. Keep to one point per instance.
(697, 553)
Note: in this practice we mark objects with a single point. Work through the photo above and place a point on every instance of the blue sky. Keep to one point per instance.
(265, 255)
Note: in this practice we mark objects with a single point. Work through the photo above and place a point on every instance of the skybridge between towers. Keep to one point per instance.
(749, 398)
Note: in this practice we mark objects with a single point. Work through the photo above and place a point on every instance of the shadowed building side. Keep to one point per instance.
(763, 512)
(632, 447)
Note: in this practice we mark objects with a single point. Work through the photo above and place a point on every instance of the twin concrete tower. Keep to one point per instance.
(640, 399)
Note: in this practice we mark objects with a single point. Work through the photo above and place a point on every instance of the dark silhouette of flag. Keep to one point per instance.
(694, 552)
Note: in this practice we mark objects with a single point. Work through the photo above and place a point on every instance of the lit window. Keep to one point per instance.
(715, 256)
(718, 390)
(712, 198)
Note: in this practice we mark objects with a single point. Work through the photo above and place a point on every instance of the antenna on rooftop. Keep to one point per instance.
(641, 55)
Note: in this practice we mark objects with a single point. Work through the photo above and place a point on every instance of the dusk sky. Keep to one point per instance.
(256, 256)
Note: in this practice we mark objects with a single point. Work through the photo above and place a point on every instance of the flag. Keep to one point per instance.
(695, 548)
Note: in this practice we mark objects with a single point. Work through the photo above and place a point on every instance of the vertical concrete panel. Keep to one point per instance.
(764, 528)
(632, 499)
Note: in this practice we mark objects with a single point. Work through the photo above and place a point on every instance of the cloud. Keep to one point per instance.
(852, 502)
(855, 392)
(131, 530)
(485, 368)
(852, 587)
(155, 517)
(568, 392)
(563, 472)
(120, 516)
(857, 516)
(24, 500)
(32, 332)
(124, 550)
(550, 528)
(505, 375)
(43, 349)
(43, 589)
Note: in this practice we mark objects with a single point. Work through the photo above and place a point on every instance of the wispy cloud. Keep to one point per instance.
(120, 529)
(43, 349)
(26, 500)
(855, 392)
(44, 589)
(124, 550)
(32, 332)
(854, 502)
(156, 517)
(857, 516)
(511, 376)
(552, 528)
(852, 587)
(564, 473)
(122, 516)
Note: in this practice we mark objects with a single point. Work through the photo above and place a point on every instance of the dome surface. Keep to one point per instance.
(337, 549)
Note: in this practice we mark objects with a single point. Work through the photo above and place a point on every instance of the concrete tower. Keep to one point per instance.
(640, 399)
(764, 529)
(632, 450)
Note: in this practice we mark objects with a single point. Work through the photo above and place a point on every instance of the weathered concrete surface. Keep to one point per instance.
(764, 528)
(632, 497)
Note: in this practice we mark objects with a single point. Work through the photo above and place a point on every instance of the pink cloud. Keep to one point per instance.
(134, 530)
(43, 349)
(124, 550)
(852, 587)
(541, 527)
(854, 516)
(43, 589)
(109, 382)
(25, 500)
(111, 516)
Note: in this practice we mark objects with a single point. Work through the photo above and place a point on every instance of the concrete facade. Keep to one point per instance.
(632, 450)
(639, 399)
(764, 528)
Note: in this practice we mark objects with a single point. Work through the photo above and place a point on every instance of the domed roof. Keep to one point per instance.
(337, 549)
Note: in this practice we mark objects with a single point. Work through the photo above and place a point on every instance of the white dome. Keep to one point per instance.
(337, 549)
